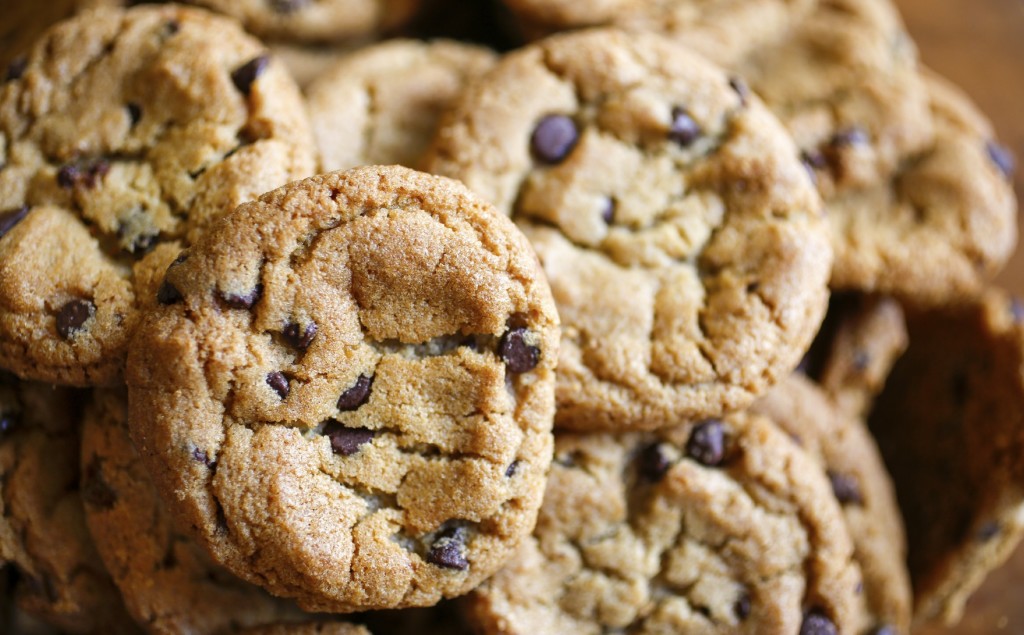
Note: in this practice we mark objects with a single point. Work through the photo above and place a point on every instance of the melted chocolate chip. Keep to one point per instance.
(988, 531)
(16, 69)
(288, 6)
(554, 138)
(1002, 157)
(8, 422)
(168, 293)
(82, 175)
(683, 130)
(741, 609)
(653, 462)
(854, 135)
(73, 315)
(96, 492)
(172, 27)
(202, 457)
(706, 444)
(134, 112)
(447, 550)
(11, 217)
(279, 383)
(814, 160)
(846, 488)
(245, 75)
(741, 88)
(242, 302)
(817, 623)
(513, 467)
(518, 355)
(346, 441)
(608, 210)
(297, 337)
(357, 395)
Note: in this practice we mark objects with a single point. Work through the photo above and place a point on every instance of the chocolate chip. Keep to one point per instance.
(202, 457)
(753, 287)
(608, 210)
(8, 422)
(85, 175)
(653, 462)
(846, 488)
(279, 383)
(447, 549)
(346, 441)
(172, 27)
(1002, 157)
(814, 160)
(242, 302)
(706, 444)
(11, 217)
(741, 88)
(1016, 306)
(134, 112)
(357, 395)
(741, 608)
(513, 467)
(817, 623)
(861, 360)
(244, 76)
(853, 135)
(96, 492)
(554, 138)
(168, 293)
(297, 337)
(16, 69)
(988, 531)
(288, 6)
(884, 629)
(683, 130)
(518, 355)
(73, 315)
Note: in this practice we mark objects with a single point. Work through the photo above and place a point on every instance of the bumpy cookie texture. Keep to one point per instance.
(59, 577)
(125, 130)
(950, 427)
(845, 450)
(679, 231)
(942, 225)
(381, 105)
(349, 389)
(845, 83)
(721, 526)
(168, 584)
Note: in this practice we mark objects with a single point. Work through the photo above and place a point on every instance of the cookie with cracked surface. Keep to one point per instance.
(681, 235)
(59, 577)
(951, 429)
(168, 584)
(942, 225)
(850, 458)
(721, 526)
(126, 129)
(365, 362)
(381, 104)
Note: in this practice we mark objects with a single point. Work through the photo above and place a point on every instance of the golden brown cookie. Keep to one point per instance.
(347, 392)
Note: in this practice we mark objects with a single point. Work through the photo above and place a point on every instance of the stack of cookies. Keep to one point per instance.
(677, 319)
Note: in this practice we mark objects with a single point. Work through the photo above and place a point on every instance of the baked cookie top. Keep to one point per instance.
(681, 234)
(60, 577)
(124, 129)
(844, 449)
(950, 426)
(721, 526)
(348, 390)
(381, 104)
(167, 582)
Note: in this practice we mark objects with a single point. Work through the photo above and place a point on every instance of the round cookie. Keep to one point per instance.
(681, 234)
(381, 104)
(942, 225)
(123, 130)
(168, 584)
(59, 578)
(724, 526)
(951, 429)
(348, 390)
(843, 446)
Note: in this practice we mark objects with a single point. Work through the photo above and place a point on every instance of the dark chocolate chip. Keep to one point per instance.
(554, 138)
(741, 88)
(202, 457)
(73, 315)
(356, 395)
(16, 69)
(168, 293)
(706, 444)
(988, 531)
(853, 135)
(1016, 306)
(245, 75)
(846, 488)
(1002, 157)
(741, 608)
(96, 492)
(684, 130)
(884, 629)
(814, 160)
(653, 462)
(242, 302)
(134, 112)
(11, 217)
(297, 337)
(8, 422)
(447, 550)
(861, 360)
(279, 383)
(172, 27)
(288, 6)
(346, 441)
(753, 287)
(518, 355)
(817, 623)
(608, 210)
(513, 467)
(87, 175)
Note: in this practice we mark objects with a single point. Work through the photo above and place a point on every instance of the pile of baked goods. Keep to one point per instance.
(678, 318)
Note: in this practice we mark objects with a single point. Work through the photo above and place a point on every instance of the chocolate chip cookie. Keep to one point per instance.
(381, 105)
(721, 526)
(950, 426)
(124, 129)
(347, 391)
(681, 234)
(58, 576)
(846, 452)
